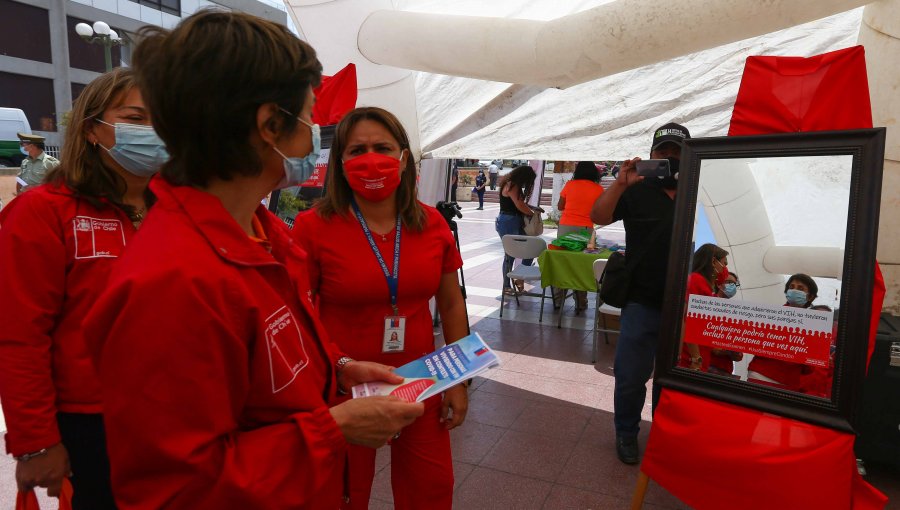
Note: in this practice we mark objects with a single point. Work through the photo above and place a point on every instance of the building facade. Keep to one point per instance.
(44, 64)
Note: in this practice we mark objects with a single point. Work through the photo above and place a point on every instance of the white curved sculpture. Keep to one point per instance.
(580, 47)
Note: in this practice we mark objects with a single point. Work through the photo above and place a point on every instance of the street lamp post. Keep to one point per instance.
(100, 34)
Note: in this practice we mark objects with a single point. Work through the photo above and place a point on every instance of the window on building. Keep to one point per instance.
(77, 89)
(32, 95)
(169, 6)
(29, 36)
(87, 56)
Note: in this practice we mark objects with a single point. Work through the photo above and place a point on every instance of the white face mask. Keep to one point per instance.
(138, 149)
(298, 170)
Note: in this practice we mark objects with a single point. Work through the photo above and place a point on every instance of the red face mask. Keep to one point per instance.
(722, 276)
(373, 176)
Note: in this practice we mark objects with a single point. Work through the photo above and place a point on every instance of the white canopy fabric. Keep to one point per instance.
(608, 118)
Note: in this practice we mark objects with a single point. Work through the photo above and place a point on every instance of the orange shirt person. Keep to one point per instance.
(577, 198)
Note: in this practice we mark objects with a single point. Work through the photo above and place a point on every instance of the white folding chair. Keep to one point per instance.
(602, 310)
(524, 247)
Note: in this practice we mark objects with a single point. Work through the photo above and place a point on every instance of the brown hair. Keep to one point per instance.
(337, 190)
(522, 176)
(703, 261)
(204, 82)
(81, 167)
(807, 280)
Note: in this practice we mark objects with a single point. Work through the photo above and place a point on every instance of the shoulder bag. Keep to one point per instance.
(615, 281)
(534, 225)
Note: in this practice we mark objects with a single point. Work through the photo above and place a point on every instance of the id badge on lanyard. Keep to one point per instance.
(393, 340)
(394, 331)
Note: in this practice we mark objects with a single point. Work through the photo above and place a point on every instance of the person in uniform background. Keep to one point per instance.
(480, 181)
(36, 165)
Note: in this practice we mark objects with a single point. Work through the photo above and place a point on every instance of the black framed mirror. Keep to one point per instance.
(794, 223)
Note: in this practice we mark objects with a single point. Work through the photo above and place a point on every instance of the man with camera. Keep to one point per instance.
(643, 195)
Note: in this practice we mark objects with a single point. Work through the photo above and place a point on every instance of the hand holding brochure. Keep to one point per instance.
(436, 372)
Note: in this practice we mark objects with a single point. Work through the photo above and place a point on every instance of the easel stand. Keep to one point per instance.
(640, 490)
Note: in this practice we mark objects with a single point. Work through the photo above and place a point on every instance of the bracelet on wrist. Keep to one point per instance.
(28, 456)
(338, 367)
(341, 363)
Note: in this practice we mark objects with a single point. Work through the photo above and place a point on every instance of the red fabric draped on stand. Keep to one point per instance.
(715, 455)
(794, 94)
(335, 96)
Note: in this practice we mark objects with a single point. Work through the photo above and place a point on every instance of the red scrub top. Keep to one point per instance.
(353, 295)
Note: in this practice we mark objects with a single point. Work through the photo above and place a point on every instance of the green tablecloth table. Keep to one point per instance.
(570, 269)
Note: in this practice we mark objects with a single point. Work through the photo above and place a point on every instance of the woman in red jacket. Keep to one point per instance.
(377, 256)
(709, 268)
(57, 244)
(216, 373)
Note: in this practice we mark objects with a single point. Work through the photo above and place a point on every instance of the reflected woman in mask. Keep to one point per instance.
(57, 245)
(721, 361)
(709, 270)
(376, 257)
(799, 292)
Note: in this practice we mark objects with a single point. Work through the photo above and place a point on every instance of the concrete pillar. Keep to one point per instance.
(62, 85)
(880, 34)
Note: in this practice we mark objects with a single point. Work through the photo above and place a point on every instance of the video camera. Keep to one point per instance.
(449, 210)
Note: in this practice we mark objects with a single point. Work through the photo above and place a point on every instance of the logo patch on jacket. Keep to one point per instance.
(98, 238)
(284, 343)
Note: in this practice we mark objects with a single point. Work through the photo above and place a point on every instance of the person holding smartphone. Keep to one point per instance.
(646, 205)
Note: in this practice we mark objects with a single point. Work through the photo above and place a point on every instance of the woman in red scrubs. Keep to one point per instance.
(377, 256)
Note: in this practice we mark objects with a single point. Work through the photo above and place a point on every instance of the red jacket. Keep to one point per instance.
(216, 372)
(56, 251)
(697, 284)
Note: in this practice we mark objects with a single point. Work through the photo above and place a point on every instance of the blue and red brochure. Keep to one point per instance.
(436, 372)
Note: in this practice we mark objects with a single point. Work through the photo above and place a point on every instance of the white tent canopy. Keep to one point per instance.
(611, 117)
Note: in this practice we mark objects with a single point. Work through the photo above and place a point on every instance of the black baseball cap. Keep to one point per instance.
(671, 132)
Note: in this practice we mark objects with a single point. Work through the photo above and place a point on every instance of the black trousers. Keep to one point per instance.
(84, 437)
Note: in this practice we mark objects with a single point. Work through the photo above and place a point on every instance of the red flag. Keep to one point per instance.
(715, 455)
(335, 96)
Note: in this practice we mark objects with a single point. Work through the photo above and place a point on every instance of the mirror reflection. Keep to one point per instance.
(765, 282)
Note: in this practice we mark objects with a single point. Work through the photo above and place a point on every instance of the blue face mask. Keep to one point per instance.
(729, 290)
(795, 297)
(298, 170)
(138, 149)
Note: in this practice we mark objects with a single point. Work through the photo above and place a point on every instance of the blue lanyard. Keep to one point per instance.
(392, 279)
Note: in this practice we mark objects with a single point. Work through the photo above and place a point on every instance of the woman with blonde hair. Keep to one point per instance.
(57, 245)
(378, 255)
